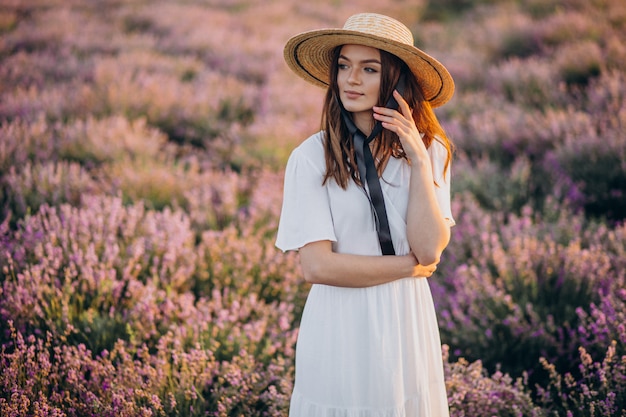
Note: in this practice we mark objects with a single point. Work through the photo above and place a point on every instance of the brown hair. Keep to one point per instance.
(338, 145)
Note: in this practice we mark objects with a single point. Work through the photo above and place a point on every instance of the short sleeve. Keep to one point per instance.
(438, 155)
(306, 215)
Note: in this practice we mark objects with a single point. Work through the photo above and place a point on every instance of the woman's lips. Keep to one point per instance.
(352, 95)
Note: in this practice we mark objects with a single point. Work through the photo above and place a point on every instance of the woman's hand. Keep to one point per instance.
(424, 270)
(401, 122)
(428, 232)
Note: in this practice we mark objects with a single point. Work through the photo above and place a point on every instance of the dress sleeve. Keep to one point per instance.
(305, 216)
(438, 154)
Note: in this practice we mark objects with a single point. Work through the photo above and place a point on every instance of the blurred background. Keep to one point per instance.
(142, 149)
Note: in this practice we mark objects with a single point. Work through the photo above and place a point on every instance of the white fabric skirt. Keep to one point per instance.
(369, 352)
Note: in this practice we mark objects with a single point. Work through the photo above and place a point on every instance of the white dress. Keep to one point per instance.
(362, 352)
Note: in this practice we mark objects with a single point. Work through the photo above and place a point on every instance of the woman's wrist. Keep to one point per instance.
(409, 265)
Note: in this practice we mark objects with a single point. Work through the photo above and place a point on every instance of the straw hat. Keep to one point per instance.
(309, 54)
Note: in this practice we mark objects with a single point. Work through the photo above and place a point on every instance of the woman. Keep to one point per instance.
(370, 221)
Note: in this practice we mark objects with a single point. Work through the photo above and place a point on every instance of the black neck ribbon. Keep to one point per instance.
(368, 174)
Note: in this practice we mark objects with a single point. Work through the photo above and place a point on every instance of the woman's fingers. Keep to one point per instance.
(403, 108)
(424, 270)
(391, 119)
(402, 118)
(403, 105)
(402, 124)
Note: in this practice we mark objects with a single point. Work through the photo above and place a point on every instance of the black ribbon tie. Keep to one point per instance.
(367, 172)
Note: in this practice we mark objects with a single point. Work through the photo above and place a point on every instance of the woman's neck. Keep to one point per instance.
(364, 121)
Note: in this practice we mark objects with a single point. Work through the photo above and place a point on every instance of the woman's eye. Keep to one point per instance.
(369, 69)
(343, 66)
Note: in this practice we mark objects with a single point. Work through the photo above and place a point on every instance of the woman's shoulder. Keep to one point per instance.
(437, 147)
(437, 150)
(440, 160)
(313, 145)
(311, 150)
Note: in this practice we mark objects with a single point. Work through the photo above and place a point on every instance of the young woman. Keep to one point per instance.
(370, 216)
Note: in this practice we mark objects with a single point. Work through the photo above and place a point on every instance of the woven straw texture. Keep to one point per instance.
(309, 54)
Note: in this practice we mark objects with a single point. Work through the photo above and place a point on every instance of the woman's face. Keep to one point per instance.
(358, 79)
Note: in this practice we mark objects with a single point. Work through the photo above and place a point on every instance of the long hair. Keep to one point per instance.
(338, 144)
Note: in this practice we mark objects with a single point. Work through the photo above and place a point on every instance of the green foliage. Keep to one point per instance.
(518, 43)
(449, 9)
(598, 174)
(494, 189)
(579, 62)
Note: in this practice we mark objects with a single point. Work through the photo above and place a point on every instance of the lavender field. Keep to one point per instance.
(142, 149)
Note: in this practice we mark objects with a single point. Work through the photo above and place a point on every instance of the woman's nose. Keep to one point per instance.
(354, 78)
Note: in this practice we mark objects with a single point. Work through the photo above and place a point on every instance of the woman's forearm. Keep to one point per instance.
(321, 265)
(428, 232)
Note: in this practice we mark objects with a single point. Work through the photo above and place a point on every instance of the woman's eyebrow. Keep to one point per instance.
(365, 61)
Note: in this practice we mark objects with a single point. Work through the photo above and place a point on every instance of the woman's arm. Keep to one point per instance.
(321, 265)
(428, 232)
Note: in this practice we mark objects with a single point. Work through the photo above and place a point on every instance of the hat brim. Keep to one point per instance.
(309, 55)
